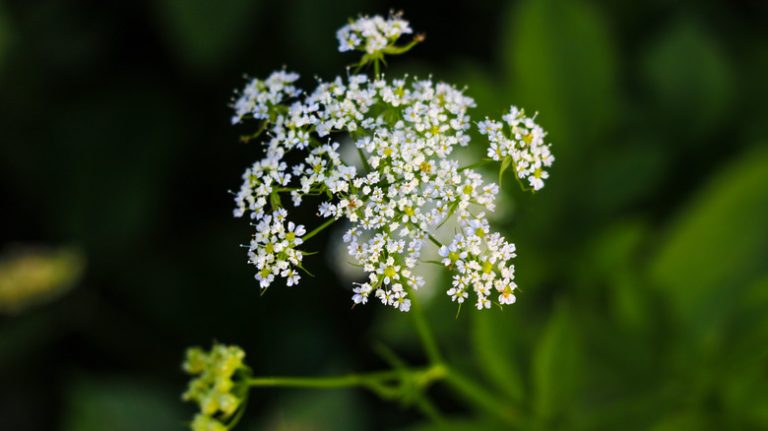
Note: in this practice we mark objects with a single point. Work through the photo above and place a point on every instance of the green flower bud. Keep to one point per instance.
(207, 423)
(196, 361)
(212, 387)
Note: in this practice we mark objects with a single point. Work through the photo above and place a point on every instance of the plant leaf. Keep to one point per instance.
(717, 246)
(494, 348)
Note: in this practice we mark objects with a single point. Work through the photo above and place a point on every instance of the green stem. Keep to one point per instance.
(481, 398)
(434, 240)
(426, 336)
(318, 229)
(345, 381)
(397, 50)
(240, 411)
(366, 165)
(429, 409)
(257, 133)
(463, 386)
(431, 237)
(374, 381)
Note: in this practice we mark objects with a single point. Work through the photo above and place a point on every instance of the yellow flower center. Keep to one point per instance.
(487, 267)
(528, 138)
(390, 271)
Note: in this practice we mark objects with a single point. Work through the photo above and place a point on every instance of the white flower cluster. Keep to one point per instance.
(480, 261)
(371, 34)
(273, 249)
(404, 131)
(258, 96)
(524, 146)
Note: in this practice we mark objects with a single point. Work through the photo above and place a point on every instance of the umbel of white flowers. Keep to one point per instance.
(405, 131)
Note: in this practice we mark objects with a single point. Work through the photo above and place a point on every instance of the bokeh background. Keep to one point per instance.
(643, 264)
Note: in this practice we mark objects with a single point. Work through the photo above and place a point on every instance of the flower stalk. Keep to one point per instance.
(404, 131)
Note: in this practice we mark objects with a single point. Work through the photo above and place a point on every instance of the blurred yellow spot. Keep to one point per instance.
(31, 276)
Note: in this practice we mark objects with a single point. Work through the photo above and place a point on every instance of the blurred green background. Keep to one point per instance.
(643, 264)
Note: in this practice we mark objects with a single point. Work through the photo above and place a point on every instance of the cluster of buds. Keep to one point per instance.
(397, 198)
(215, 386)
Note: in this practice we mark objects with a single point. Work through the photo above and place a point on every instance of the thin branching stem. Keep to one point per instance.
(318, 229)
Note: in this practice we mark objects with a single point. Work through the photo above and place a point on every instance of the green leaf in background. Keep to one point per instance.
(561, 62)
(555, 367)
(684, 421)
(689, 80)
(206, 33)
(743, 387)
(489, 92)
(614, 260)
(493, 339)
(718, 244)
(120, 404)
(628, 173)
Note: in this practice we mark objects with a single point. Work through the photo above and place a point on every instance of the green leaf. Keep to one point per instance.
(688, 80)
(561, 63)
(555, 366)
(489, 93)
(683, 421)
(613, 259)
(717, 246)
(612, 189)
(493, 346)
(743, 389)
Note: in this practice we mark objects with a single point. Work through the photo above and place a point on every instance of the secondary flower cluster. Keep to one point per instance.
(523, 146)
(399, 195)
(371, 34)
(213, 388)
